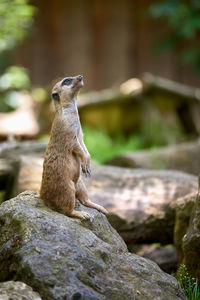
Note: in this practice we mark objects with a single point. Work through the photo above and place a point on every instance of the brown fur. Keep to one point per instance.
(66, 154)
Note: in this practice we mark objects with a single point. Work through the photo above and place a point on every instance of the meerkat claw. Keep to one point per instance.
(89, 172)
(85, 216)
(86, 171)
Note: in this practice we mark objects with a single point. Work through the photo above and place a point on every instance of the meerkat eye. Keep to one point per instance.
(67, 81)
(56, 97)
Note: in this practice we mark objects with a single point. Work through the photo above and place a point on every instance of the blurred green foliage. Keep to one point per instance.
(12, 81)
(14, 78)
(182, 18)
(15, 20)
(102, 147)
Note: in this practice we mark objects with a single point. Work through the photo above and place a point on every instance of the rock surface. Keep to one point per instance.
(141, 202)
(183, 157)
(191, 242)
(184, 209)
(21, 122)
(64, 258)
(9, 169)
(164, 256)
(22, 162)
(14, 149)
(15, 290)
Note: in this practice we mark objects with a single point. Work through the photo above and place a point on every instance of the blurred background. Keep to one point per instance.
(139, 107)
(140, 61)
(110, 41)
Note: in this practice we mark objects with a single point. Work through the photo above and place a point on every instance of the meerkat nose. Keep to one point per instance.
(80, 77)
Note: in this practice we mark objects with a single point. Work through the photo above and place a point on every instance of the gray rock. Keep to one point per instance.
(15, 290)
(182, 157)
(184, 208)
(14, 149)
(9, 169)
(187, 233)
(191, 242)
(164, 256)
(15, 174)
(64, 258)
(141, 203)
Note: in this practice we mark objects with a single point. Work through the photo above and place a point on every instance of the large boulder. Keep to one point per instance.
(9, 169)
(184, 208)
(141, 203)
(183, 157)
(64, 258)
(16, 290)
(191, 242)
(164, 255)
(14, 149)
(20, 166)
(21, 122)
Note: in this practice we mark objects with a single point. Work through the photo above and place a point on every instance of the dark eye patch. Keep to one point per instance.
(67, 81)
(56, 97)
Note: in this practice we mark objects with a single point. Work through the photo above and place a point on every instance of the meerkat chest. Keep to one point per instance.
(72, 123)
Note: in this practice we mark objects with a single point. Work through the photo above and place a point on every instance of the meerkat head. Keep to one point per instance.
(66, 90)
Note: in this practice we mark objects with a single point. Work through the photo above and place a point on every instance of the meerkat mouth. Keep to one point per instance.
(78, 83)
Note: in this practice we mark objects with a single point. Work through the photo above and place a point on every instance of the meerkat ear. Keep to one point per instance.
(56, 96)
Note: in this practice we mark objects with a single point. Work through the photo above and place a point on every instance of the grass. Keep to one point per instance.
(102, 147)
(189, 285)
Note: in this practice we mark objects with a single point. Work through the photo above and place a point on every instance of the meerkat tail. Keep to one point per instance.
(96, 206)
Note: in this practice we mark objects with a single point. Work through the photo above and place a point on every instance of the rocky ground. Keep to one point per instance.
(17, 290)
(64, 258)
(183, 157)
(150, 209)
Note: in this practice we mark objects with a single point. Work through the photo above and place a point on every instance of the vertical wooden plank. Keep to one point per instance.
(77, 42)
(188, 76)
(98, 25)
(149, 32)
(115, 64)
(106, 41)
(133, 68)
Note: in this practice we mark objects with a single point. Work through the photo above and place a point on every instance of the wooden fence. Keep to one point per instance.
(108, 41)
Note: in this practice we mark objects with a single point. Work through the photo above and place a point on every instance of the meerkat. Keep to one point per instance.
(66, 153)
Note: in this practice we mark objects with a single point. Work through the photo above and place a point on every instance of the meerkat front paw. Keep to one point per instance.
(84, 215)
(86, 170)
(79, 214)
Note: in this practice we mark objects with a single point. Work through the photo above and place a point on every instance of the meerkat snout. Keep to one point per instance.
(67, 89)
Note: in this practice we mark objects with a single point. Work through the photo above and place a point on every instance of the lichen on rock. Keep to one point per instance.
(16, 290)
(191, 242)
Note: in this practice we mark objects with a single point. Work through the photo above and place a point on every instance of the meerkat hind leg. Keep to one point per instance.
(67, 205)
(82, 196)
